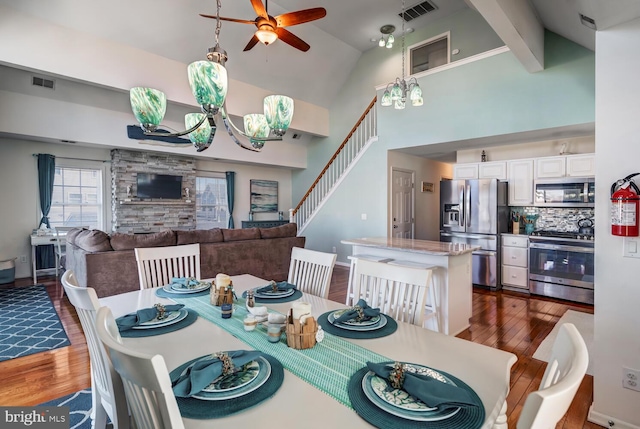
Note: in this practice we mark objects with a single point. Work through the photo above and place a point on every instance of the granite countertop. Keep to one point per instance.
(415, 246)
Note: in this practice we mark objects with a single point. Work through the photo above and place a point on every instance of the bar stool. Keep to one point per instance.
(433, 294)
(353, 259)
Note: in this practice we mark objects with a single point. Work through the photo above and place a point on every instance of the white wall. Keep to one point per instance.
(529, 150)
(617, 288)
(427, 205)
(20, 210)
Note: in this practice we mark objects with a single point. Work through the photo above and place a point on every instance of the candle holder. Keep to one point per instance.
(301, 333)
(221, 295)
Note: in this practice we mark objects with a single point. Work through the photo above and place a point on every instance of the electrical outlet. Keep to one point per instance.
(23, 259)
(631, 379)
(333, 249)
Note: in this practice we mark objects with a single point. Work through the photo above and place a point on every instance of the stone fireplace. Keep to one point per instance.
(140, 215)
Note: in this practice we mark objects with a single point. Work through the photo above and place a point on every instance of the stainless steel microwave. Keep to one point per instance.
(564, 192)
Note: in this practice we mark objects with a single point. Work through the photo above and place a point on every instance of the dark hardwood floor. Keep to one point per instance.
(506, 320)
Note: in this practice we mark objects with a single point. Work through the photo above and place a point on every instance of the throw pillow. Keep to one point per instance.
(93, 240)
(199, 236)
(288, 230)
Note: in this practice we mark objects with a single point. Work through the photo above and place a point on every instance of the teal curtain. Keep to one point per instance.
(231, 186)
(45, 255)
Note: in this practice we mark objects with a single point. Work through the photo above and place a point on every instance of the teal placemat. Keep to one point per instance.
(466, 418)
(198, 409)
(135, 333)
(328, 365)
(387, 329)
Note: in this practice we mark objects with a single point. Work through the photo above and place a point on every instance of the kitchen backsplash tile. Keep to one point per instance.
(557, 219)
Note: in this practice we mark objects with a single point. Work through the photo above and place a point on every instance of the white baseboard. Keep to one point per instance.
(607, 421)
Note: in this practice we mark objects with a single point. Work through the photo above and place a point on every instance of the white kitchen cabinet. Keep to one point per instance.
(515, 261)
(583, 165)
(492, 170)
(520, 177)
(465, 171)
(551, 166)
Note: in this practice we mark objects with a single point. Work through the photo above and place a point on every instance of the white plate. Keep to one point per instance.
(263, 376)
(234, 381)
(274, 295)
(182, 313)
(353, 322)
(155, 321)
(169, 289)
(378, 325)
(180, 288)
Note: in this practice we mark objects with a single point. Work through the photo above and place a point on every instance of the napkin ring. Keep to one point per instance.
(274, 286)
(227, 363)
(360, 312)
(161, 311)
(396, 376)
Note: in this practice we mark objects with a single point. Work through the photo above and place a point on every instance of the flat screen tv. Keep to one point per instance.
(159, 186)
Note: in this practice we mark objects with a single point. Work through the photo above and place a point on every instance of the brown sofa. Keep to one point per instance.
(107, 263)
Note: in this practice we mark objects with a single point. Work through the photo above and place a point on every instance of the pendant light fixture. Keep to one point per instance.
(397, 92)
(208, 81)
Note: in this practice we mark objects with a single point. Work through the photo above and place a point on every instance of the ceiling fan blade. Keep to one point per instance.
(301, 16)
(222, 18)
(254, 40)
(259, 8)
(291, 39)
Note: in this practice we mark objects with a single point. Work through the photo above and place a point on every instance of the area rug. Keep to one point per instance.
(584, 324)
(79, 404)
(28, 323)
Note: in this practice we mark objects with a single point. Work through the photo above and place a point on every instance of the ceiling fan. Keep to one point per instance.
(271, 28)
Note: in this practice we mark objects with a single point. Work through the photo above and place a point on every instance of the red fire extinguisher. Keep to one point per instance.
(625, 199)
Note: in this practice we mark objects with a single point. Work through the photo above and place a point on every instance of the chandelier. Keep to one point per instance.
(208, 82)
(396, 92)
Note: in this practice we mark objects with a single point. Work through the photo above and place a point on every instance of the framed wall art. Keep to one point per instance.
(426, 187)
(264, 196)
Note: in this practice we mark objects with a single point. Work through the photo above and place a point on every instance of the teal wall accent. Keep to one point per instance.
(492, 96)
(469, 33)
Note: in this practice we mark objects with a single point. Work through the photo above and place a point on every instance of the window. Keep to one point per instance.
(211, 201)
(77, 197)
(429, 54)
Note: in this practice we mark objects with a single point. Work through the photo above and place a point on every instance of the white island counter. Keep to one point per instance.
(452, 278)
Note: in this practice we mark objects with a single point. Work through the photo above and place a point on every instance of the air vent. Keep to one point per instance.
(45, 83)
(418, 10)
(589, 22)
(296, 136)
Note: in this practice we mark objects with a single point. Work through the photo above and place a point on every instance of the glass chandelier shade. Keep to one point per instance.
(399, 104)
(209, 83)
(416, 96)
(278, 110)
(396, 92)
(386, 99)
(203, 132)
(148, 105)
(390, 41)
(256, 127)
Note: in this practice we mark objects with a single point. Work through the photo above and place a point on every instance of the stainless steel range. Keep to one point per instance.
(561, 265)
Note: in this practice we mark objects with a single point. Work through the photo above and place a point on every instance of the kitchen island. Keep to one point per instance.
(452, 278)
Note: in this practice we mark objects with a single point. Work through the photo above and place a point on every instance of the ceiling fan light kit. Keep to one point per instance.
(397, 92)
(209, 82)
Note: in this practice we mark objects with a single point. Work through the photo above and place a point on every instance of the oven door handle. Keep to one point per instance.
(561, 247)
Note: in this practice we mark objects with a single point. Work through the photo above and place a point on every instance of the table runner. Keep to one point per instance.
(327, 366)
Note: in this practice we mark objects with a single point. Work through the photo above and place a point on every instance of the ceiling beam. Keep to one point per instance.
(517, 24)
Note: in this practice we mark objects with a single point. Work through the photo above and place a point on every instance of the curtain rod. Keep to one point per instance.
(210, 171)
(74, 159)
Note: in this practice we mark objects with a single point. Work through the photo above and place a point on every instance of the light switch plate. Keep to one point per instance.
(631, 247)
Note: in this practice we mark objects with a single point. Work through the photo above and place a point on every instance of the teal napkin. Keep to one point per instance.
(352, 314)
(184, 282)
(432, 392)
(128, 321)
(203, 371)
(282, 287)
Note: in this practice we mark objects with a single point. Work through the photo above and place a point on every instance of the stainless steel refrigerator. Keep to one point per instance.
(476, 212)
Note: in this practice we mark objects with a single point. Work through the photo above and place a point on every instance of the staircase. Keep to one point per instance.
(361, 136)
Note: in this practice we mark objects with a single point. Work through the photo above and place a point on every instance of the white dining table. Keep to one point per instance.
(298, 404)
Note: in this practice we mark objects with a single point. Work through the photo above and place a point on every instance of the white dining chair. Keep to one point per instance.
(145, 378)
(60, 244)
(566, 368)
(311, 271)
(107, 392)
(354, 260)
(400, 292)
(157, 265)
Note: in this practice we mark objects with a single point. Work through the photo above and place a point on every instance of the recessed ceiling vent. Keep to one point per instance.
(418, 10)
(45, 83)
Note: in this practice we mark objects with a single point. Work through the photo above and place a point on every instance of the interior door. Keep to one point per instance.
(402, 203)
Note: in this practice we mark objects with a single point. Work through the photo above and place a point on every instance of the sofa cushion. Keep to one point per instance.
(92, 240)
(72, 234)
(131, 241)
(288, 230)
(241, 234)
(199, 236)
